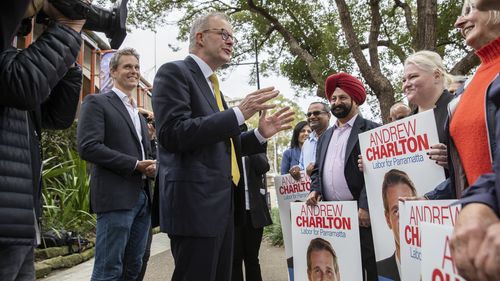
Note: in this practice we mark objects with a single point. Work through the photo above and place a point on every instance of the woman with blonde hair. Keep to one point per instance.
(425, 83)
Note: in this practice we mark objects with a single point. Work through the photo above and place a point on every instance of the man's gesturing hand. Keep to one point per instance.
(255, 101)
(279, 121)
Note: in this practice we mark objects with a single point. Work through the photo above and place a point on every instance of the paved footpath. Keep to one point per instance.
(161, 264)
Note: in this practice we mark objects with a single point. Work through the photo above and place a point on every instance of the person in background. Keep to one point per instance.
(252, 194)
(398, 111)
(318, 118)
(39, 89)
(291, 156)
(471, 121)
(150, 118)
(335, 176)
(457, 82)
(113, 136)
(474, 130)
(424, 83)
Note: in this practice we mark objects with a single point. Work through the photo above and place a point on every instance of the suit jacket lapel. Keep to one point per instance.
(353, 137)
(145, 136)
(202, 83)
(118, 104)
(324, 148)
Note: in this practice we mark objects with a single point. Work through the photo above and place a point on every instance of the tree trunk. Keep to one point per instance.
(380, 85)
(465, 64)
(426, 25)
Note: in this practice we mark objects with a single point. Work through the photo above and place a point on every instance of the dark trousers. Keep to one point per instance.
(247, 241)
(203, 258)
(17, 263)
(368, 254)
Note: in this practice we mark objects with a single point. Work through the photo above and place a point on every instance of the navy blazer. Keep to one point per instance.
(195, 188)
(107, 137)
(354, 178)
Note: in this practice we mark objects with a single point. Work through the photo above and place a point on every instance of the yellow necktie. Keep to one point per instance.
(235, 171)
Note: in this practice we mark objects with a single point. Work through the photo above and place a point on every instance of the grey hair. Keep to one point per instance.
(494, 15)
(115, 59)
(429, 61)
(200, 24)
(459, 78)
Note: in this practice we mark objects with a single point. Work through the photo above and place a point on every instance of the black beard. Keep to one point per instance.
(343, 113)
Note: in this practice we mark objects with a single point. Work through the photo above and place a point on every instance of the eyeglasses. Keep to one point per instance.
(224, 34)
(315, 113)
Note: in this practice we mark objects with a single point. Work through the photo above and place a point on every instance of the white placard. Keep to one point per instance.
(329, 225)
(401, 145)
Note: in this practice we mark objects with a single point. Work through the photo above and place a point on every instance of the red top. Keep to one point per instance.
(468, 125)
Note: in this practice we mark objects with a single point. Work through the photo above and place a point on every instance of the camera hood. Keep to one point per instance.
(110, 22)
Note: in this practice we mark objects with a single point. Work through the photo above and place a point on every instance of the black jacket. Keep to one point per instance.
(256, 167)
(441, 115)
(39, 88)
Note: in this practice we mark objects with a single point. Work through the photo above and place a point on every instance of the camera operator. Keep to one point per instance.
(39, 88)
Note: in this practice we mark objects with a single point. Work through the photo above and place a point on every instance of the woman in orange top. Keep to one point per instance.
(471, 120)
(471, 128)
(475, 245)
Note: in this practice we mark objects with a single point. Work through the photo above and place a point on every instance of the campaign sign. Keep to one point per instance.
(395, 163)
(437, 264)
(328, 236)
(289, 190)
(411, 215)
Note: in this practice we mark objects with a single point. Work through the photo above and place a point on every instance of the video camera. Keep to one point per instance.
(110, 22)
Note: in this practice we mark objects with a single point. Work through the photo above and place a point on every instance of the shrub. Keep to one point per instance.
(273, 232)
(65, 194)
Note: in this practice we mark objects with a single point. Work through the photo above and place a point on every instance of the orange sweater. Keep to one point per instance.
(468, 124)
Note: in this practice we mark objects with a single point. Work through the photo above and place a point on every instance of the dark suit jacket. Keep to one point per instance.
(256, 167)
(196, 191)
(354, 177)
(107, 137)
(388, 268)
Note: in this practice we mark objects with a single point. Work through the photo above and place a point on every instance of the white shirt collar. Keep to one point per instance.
(205, 69)
(124, 98)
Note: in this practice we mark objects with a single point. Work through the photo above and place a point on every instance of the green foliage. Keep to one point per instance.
(273, 232)
(65, 194)
(305, 40)
(56, 142)
(281, 141)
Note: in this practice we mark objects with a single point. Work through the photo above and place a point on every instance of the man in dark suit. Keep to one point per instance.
(114, 137)
(336, 176)
(200, 149)
(251, 217)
